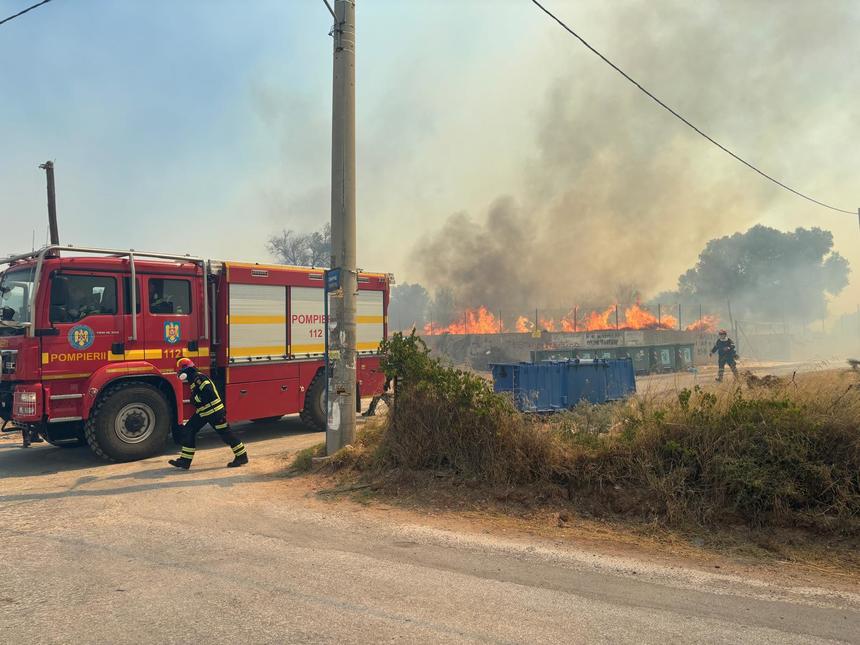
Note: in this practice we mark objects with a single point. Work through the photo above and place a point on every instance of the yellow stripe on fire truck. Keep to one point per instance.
(130, 355)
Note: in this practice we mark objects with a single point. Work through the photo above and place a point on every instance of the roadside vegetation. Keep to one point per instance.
(782, 453)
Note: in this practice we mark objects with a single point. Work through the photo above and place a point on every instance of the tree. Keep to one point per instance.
(313, 249)
(319, 246)
(768, 275)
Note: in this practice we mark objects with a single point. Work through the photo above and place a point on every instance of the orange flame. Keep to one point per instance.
(635, 317)
(474, 321)
(547, 324)
(596, 321)
(705, 323)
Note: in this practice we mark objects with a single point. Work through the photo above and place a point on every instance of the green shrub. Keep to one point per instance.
(303, 461)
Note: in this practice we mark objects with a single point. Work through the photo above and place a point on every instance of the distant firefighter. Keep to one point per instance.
(726, 353)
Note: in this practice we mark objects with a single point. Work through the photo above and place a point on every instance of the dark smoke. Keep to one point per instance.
(620, 194)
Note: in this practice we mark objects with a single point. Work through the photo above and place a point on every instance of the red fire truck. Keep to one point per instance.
(84, 357)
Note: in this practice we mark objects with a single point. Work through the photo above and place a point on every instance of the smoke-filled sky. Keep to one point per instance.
(494, 151)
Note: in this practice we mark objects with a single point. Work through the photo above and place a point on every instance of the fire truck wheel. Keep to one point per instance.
(130, 421)
(313, 413)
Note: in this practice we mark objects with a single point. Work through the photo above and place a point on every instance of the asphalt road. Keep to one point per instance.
(141, 553)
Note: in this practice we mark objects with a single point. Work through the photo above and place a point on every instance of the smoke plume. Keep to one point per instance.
(620, 194)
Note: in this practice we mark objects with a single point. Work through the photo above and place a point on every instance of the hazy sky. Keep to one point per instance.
(204, 127)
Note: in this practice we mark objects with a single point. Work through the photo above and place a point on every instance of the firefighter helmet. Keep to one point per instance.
(723, 332)
(185, 369)
(184, 363)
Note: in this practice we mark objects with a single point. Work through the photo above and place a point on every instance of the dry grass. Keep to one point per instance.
(785, 455)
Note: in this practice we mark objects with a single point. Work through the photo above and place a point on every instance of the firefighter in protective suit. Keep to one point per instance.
(209, 409)
(726, 353)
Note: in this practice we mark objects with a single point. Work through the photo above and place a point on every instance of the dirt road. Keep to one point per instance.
(141, 553)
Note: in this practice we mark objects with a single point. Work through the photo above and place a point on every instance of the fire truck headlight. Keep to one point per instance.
(26, 397)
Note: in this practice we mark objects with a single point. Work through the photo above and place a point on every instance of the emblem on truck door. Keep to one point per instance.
(172, 332)
(81, 337)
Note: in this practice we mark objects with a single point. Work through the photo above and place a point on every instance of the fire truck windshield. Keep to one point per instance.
(15, 286)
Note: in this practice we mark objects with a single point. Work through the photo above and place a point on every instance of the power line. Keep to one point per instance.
(21, 13)
(681, 118)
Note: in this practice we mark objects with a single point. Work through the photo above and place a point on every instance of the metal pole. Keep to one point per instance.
(659, 314)
(133, 290)
(341, 413)
(48, 167)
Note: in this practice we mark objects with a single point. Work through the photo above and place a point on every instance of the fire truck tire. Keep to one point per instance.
(130, 421)
(313, 413)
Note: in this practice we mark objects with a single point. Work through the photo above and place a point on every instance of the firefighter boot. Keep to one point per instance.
(240, 456)
(185, 457)
(720, 373)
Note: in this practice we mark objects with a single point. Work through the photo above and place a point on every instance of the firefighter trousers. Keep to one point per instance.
(723, 361)
(218, 421)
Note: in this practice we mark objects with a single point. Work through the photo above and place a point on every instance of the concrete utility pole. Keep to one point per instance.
(342, 396)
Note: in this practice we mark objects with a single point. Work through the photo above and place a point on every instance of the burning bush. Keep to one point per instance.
(782, 456)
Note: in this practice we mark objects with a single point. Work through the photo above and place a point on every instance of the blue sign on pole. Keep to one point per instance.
(332, 279)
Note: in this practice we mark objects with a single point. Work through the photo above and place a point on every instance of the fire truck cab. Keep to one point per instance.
(89, 340)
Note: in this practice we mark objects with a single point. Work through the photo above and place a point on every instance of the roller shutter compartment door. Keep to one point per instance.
(258, 323)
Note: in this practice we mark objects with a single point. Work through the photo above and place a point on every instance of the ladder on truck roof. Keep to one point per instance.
(40, 254)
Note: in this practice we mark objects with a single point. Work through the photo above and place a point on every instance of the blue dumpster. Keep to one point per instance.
(555, 385)
(536, 387)
(620, 379)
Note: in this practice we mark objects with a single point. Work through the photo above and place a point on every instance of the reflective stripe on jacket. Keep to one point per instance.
(205, 397)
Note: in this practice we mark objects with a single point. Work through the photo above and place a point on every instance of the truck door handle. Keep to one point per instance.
(243, 392)
(283, 388)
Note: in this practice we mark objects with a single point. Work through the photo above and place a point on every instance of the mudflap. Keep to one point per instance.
(29, 433)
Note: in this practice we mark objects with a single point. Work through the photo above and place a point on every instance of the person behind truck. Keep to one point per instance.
(386, 396)
(209, 409)
(81, 302)
(158, 302)
(726, 353)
